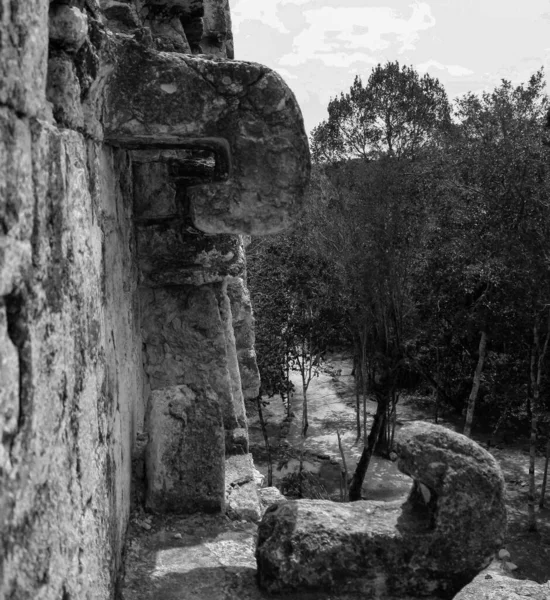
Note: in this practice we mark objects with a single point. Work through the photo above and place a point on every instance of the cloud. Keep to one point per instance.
(332, 33)
(454, 70)
(265, 11)
(285, 73)
(332, 59)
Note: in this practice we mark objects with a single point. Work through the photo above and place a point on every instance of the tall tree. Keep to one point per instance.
(371, 147)
(395, 114)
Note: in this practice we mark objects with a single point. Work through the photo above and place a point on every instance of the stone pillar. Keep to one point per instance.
(184, 355)
(243, 327)
(196, 414)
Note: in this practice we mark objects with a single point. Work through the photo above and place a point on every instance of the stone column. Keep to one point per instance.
(243, 327)
(195, 415)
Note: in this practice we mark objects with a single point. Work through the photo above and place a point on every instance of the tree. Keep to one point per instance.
(486, 256)
(371, 148)
(292, 293)
(475, 384)
(539, 349)
(395, 115)
(490, 271)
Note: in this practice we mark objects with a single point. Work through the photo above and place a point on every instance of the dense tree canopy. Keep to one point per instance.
(428, 227)
(395, 114)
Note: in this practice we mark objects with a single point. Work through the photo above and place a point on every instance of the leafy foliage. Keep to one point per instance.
(427, 230)
(395, 114)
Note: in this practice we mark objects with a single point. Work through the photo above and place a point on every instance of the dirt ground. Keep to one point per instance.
(331, 407)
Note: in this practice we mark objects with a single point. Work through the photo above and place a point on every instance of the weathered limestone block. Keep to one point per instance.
(241, 489)
(207, 24)
(23, 55)
(9, 391)
(16, 201)
(467, 491)
(63, 91)
(434, 544)
(172, 251)
(169, 35)
(155, 190)
(493, 584)
(71, 370)
(185, 343)
(64, 499)
(184, 338)
(172, 254)
(120, 15)
(270, 495)
(243, 327)
(186, 440)
(235, 413)
(187, 337)
(68, 26)
(217, 38)
(242, 112)
(322, 545)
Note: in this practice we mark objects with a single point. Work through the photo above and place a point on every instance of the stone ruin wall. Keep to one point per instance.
(126, 334)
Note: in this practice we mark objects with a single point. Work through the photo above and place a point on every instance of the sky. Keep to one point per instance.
(319, 46)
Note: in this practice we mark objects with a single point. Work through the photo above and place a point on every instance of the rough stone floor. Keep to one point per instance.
(210, 557)
(200, 557)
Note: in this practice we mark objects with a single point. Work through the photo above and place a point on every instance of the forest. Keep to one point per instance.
(424, 251)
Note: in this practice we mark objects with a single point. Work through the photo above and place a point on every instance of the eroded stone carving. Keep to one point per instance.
(432, 545)
(243, 112)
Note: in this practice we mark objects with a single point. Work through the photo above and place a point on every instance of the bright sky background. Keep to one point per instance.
(318, 46)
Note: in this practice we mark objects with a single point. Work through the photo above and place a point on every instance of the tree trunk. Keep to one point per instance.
(363, 464)
(438, 376)
(288, 389)
(537, 361)
(545, 476)
(266, 441)
(364, 381)
(357, 374)
(501, 420)
(532, 405)
(344, 472)
(363, 378)
(531, 496)
(305, 423)
(475, 385)
(393, 419)
(358, 407)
